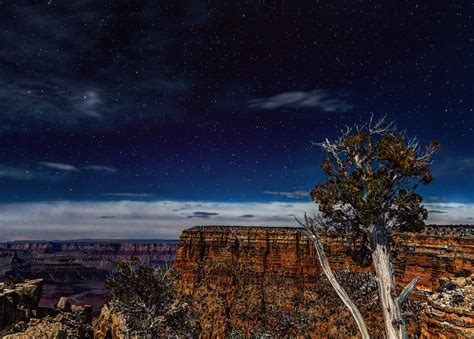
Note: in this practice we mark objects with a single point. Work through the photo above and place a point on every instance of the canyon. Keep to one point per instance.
(227, 271)
(77, 269)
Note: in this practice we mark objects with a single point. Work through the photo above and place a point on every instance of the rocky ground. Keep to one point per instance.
(442, 307)
(450, 312)
(22, 317)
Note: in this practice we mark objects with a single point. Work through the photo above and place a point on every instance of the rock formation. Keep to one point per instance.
(272, 249)
(19, 302)
(450, 312)
(108, 324)
(64, 321)
(249, 280)
(267, 251)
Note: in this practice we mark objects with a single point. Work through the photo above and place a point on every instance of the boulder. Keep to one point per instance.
(19, 302)
(63, 305)
(108, 324)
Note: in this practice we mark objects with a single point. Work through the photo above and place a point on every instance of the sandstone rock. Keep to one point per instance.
(30, 289)
(273, 249)
(72, 321)
(433, 258)
(19, 302)
(44, 328)
(461, 282)
(449, 313)
(64, 305)
(108, 324)
(30, 321)
(84, 311)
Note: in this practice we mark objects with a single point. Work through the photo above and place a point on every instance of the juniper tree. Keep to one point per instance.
(373, 171)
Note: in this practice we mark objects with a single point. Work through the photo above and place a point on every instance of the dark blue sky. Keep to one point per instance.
(219, 101)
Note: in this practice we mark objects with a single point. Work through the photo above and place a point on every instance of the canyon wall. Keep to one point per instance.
(274, 249)
(77, 269)
(287, 251)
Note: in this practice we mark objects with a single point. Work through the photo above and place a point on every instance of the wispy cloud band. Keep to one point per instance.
(319, 98)
(127, 195)
(48, 171)
(163, 219)
(101, 168)
(290, 195)
(59, 166)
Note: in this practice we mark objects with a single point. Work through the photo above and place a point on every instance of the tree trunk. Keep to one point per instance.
(391, 307)
(337, 287)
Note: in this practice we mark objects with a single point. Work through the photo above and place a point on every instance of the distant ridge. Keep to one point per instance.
(461, 229)
(94, 241)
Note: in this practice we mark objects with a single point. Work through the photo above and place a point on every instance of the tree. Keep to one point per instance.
(145, 298)
(373, 172)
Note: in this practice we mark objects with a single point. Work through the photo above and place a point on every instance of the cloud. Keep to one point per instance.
(247, 216)
(45, 84)
(204, 215)
(48, 171)
(89, 104)
(127, 195)
(437, 212)
(449, 213)
(16, 173)
(162, 219)
(101, 168)
(25, 173)
(59, 166)
(291, 195)
(135, 219)
(319, 98)
(434, 198)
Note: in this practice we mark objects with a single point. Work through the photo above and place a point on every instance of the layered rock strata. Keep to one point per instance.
(286, 251)
(272, 249)
(450, 312)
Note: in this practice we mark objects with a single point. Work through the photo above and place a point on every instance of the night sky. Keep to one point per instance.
(135, 119)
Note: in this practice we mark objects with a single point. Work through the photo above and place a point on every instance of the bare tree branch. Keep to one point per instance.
(408, 288)
(311, 231)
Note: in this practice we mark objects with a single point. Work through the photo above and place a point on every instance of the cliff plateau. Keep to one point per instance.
(277, 251)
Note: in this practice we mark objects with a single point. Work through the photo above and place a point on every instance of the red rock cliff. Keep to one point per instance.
(269, 250)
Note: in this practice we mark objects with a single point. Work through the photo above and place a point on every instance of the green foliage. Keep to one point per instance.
(372, 178)
(146, 299)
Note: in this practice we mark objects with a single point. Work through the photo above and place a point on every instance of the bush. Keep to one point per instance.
(145, 298)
